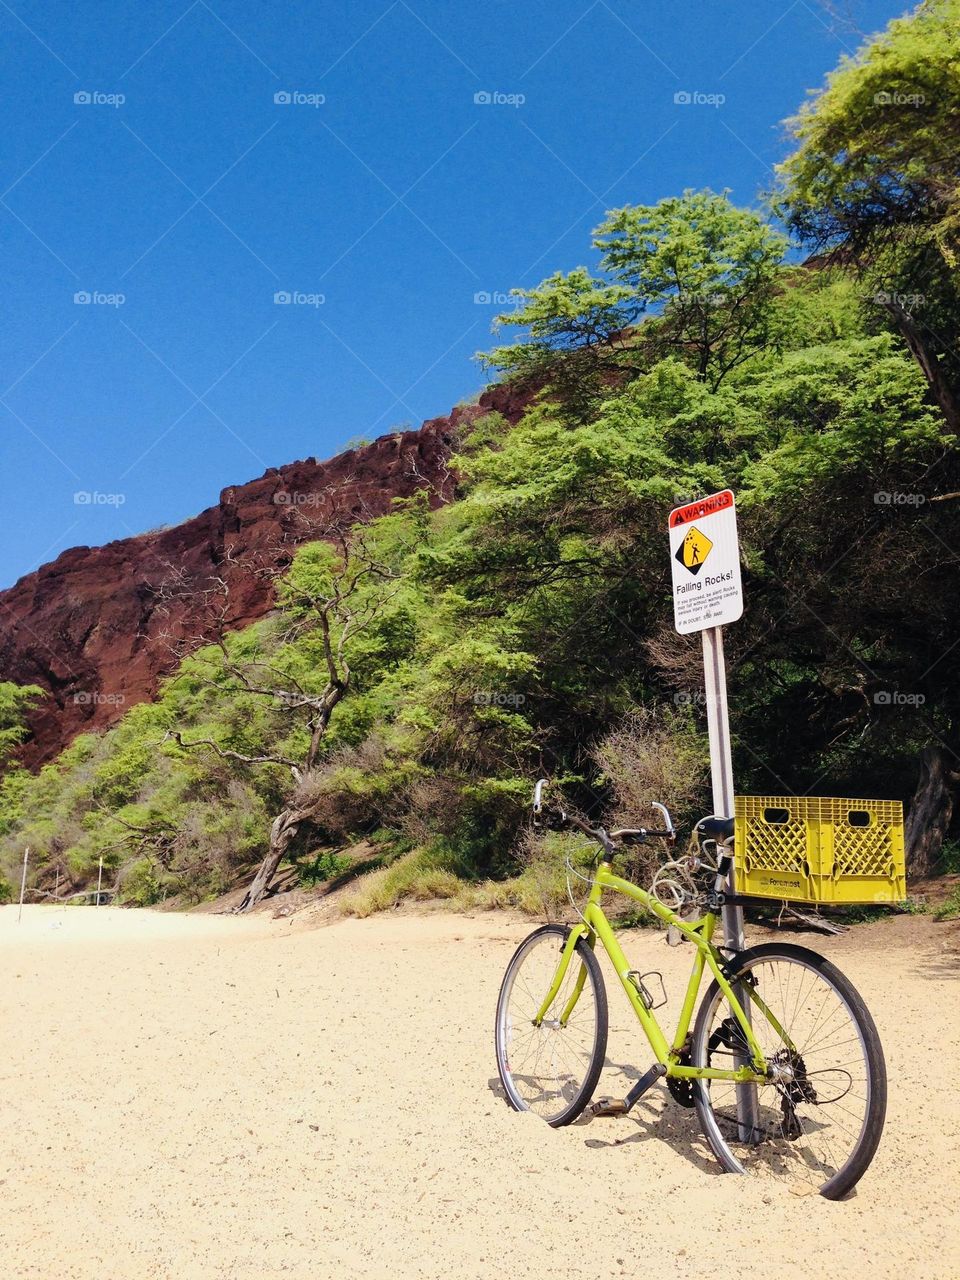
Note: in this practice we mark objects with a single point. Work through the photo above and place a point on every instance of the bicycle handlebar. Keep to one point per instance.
(637, 835)
(629, 835)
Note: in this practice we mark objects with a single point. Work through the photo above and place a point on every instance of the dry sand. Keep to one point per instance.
(203, 1096)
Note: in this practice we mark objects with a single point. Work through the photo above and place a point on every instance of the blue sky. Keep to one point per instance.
(147, 164)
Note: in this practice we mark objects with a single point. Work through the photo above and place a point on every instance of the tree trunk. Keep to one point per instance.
(282, 831)
(930, 811)
(926, 358)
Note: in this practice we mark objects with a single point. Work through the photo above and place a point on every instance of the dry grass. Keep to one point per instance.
(426, 875)
(418, 876)
(538, 890)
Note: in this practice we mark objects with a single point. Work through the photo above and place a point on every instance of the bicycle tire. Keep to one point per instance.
(796, 1146)
(552, 1073)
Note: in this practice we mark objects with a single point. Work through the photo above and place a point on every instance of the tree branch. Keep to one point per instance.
(227, 754)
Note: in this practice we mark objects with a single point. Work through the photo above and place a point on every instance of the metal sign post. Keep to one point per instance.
(721, 772)
(707, 593)
(721, 761)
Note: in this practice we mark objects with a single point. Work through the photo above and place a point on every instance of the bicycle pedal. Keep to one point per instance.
(610, 1107)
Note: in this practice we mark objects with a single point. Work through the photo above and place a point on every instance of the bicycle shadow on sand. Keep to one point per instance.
(656, 1117)
(653, 1119)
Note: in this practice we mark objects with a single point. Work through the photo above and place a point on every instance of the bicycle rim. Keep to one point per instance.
(819, 1119)
(550, 1068)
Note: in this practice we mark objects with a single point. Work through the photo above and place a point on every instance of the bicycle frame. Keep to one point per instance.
(594, 925)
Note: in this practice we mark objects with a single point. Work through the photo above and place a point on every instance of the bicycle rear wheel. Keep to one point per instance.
(552, 1068)
(820, 1117)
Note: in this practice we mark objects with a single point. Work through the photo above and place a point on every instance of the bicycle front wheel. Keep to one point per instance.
(817, 1121)
(551, 1067)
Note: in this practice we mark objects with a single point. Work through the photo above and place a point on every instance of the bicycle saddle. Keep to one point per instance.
(714, 828)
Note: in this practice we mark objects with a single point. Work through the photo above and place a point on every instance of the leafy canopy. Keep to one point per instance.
(878, 145)
(506, 634)
(702, 276)
(874, 179)
(15, 700)
(710, 268)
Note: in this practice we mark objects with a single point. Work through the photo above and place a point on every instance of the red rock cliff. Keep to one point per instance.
(91, 628)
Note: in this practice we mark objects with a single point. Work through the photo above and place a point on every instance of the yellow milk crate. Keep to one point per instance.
(814, 849)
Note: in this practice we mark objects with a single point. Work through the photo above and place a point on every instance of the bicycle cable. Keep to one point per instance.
(572, 871)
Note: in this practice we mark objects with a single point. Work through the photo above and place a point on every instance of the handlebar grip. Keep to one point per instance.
(638, 835)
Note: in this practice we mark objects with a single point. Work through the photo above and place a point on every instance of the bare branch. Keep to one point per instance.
(227, 754)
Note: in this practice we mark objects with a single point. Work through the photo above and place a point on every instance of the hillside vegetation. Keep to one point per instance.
(418, 674)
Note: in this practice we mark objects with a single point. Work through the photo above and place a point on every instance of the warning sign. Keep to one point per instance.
(705, 559)
(693, 550)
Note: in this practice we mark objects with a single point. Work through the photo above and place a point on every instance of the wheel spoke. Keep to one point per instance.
(816, 1116)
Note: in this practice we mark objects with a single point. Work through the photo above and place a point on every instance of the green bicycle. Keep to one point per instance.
(783, 1064)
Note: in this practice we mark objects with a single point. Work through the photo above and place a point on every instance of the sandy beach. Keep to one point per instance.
(197, 1095)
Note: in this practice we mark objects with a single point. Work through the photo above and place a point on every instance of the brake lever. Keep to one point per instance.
(668, 821)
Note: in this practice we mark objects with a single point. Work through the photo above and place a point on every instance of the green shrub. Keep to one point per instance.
(437, 873)
(541, 887)
(420, 876)
(323, 866)
(950, 857)
(144, 885)
(949, 909)
(526, 892)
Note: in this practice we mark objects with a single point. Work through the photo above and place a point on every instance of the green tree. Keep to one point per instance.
(874, 181)
(507, 633)
(15, 701)
(578, 341)
(710, 271)
(333, 591)
(701, 275)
